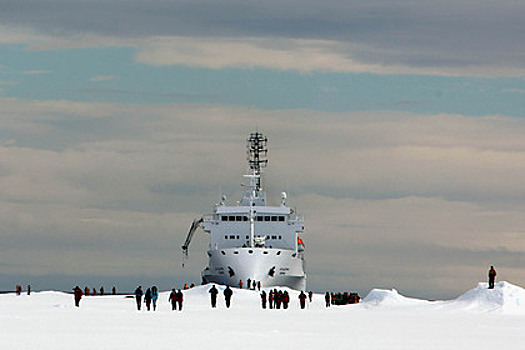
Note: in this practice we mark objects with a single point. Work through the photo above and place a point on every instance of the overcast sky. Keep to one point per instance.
(396, 127)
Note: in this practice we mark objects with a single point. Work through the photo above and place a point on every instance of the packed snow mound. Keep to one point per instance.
(382, 297)
(504, 297)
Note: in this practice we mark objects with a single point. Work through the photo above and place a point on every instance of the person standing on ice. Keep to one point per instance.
(147, 299)
(228, 295)
(78, 295)
(213, 293)
(173, 299)
(263, 299)
(492, 277)
(138, 296)
(310, 295)
(180, 299)
(327, 299)
(302, 299)
(286, 300)
(154, 296)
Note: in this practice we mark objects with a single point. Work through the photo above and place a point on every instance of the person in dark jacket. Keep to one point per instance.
(302, 299)
(492, 277)
(263, 299)
(213, 293)
(180, 299)
(138, 296)
(277, 298)
(228, 295)
(147, 299)
(114, 290)
(78, 295)
(101, 290)
(310, 295)
(271, 297)
(173, 299)
(327, 299)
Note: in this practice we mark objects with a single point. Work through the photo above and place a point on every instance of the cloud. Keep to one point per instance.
(99, 78)
(445, 37)
(36, 72)
(102, 183)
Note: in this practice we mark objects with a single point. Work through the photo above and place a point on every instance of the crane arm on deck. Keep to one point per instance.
(194, 226)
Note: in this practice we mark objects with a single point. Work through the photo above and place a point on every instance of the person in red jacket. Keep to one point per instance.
(173, 299)
(492, 277)
(78, 295)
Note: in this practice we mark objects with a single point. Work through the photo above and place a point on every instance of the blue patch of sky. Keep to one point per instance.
(69, 73)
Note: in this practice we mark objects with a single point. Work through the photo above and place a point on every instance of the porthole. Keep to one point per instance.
(250, 251)
(223, 252)
(265, 252)
(278, 253)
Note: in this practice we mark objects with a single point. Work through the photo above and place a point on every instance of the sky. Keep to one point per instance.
(395, 127)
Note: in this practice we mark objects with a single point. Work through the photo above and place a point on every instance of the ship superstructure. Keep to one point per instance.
(251, 240)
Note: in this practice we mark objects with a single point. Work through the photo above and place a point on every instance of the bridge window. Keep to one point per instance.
(281, 218)
(237, 236)
(224, 218)
(267, 218)
(280, 237)
(232, 237)
(225, 237)
(274, 237)
(274, 218)
(238, 218)
(231, 218)
(259, 218)
(244, 218)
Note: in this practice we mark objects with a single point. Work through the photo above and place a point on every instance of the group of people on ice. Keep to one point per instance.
(274, 298)
(250, 284)
(93, 291)
(150, 297)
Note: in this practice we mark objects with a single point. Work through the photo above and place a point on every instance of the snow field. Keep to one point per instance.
(480, 319)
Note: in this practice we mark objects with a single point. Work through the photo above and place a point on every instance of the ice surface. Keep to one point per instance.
(381, 297)
(480, 319)
(505, 297)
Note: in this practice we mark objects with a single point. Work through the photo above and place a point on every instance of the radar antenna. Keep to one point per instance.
(257, 152)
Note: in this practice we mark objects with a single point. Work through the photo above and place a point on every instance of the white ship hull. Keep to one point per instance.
(271, 267)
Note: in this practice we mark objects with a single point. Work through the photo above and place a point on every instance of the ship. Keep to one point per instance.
(250, 241)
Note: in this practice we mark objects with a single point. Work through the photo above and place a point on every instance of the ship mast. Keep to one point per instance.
(256, 151)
